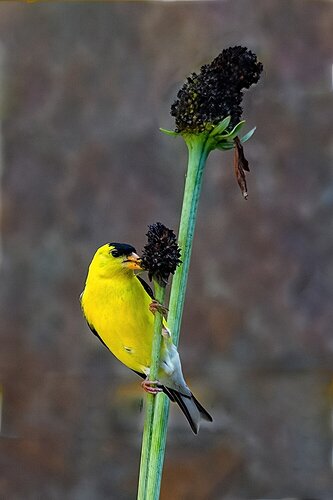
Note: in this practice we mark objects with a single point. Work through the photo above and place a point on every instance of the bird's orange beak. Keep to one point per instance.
(133, 261)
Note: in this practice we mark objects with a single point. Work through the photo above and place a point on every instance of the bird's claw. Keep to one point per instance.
(156, 306)
(166, 332)
(151, 386)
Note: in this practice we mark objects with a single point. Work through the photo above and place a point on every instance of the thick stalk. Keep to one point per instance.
(198, 153)
(146, 464)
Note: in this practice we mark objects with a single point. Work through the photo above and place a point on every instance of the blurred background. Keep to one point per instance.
(84, 89)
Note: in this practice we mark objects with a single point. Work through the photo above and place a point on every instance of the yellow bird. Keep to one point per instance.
(118, 306)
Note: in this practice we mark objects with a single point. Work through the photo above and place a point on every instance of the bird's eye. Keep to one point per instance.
(115, 253)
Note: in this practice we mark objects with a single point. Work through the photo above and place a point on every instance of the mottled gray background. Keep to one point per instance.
(84, 89)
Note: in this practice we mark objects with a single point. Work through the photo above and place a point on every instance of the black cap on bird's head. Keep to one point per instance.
(122, 249)
(132, 260)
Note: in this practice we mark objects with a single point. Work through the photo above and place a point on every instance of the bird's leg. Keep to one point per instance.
(166, 332)
(151, 386)
(156, 306)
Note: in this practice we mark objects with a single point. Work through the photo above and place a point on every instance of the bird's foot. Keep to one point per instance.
(166, 332)
(151, 386)
(156, 306)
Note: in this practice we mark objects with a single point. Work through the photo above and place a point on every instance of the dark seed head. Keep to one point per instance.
(217, 91)
(161, 255)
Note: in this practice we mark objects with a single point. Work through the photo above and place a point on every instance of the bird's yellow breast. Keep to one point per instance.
(118, 309)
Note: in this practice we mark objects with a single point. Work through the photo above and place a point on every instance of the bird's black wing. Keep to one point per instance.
(91, 326)
(146, 287)
(97, 335)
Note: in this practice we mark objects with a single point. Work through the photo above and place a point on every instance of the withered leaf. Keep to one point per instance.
(240, 165)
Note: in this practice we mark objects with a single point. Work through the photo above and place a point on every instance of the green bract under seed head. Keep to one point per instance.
(161, 255)
(216, 92)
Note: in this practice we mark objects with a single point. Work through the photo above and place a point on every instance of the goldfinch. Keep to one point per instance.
(118, 306)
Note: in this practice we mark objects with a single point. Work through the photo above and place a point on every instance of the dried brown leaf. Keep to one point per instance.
(241, 166)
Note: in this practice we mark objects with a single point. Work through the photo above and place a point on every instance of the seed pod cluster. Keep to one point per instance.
(216, 91)
(161, 255)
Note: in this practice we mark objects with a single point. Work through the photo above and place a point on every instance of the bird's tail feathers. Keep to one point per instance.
(203, 412)
(190, 406)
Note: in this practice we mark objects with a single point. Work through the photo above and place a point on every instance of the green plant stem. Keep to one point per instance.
(198, 152)
(147, 465)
